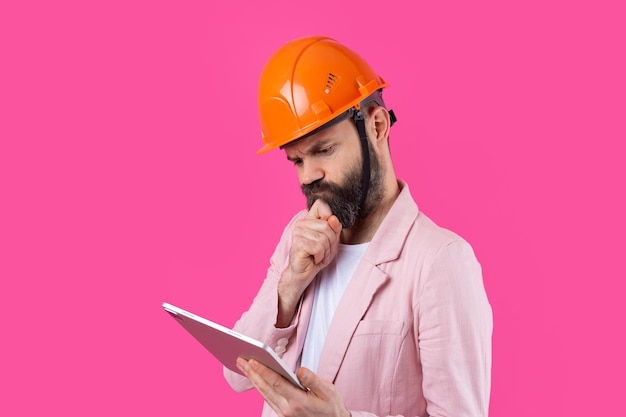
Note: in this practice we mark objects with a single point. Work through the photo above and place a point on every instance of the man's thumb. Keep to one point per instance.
(335, 224)
(307, 378)
(319, 210)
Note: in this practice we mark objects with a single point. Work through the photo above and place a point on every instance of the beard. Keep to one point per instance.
(344, 199)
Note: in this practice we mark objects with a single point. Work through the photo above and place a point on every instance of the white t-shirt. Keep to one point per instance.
(330, 285)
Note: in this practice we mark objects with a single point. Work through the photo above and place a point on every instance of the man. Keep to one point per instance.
(381, 311)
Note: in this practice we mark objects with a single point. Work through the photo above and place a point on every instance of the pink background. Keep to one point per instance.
(128, 177)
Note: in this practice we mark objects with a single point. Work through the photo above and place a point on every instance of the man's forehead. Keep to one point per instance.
(308, 144)
(316, 140)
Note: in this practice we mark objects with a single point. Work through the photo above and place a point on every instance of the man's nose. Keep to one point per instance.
(311, 172)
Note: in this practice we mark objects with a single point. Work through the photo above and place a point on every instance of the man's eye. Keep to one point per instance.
(326, 150)
(297, 162)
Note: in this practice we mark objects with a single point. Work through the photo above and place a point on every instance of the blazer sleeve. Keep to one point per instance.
(259, 322)
(454, 329)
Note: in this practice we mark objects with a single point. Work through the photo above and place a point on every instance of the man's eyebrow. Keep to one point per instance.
(312, 149)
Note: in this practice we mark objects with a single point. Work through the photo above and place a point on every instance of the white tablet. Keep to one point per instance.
(227, 345)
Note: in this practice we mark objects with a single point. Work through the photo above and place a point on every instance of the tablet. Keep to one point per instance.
(227, 345)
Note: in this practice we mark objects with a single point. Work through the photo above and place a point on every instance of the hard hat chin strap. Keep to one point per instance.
(359, 121)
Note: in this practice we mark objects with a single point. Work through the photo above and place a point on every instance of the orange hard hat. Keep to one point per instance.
(307, 83)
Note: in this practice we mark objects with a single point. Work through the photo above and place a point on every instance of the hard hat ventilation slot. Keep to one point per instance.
(330, 82)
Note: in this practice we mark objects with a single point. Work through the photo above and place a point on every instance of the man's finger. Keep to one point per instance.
(274, 388)
(319, 210)
(264, 388)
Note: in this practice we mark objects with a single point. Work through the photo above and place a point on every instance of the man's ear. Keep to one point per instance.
(380, 124)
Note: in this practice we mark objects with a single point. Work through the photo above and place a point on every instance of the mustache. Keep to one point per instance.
(319, 186)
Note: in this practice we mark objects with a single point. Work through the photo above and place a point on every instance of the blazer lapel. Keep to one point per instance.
(352, 307)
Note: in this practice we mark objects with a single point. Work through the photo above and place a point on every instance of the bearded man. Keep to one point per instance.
(380, 311)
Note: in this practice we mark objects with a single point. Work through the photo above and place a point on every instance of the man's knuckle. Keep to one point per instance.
(294, 408)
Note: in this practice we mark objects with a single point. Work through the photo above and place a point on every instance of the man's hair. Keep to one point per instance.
(367, 107)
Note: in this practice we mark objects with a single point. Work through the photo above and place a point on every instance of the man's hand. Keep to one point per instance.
(314, 245)
(321, 398)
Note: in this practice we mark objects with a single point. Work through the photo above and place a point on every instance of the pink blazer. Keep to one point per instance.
(411, 335)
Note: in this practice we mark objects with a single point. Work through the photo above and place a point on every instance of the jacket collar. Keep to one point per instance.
(394, 229)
